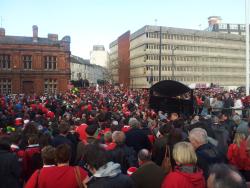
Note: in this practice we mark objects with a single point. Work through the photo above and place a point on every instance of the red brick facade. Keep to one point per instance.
(48, 63)
(124, 59)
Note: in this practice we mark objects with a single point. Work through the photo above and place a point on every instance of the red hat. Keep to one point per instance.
(131, 170)
(18, 121)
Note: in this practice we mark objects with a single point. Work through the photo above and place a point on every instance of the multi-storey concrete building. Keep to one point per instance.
(193, 56)
(34, 64)
(82, 69)
(99, 56)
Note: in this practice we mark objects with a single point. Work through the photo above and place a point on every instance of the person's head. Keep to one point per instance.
(143, 156)
(238, 138)
(174, 116)
(63, 153)
(222, 175)
(91, 129)
(64, 128)
(226, 95)
(49, 155)
(108, 137)
(95, 156)
(118, 137)
(134, 123)
(198, 137)
(165, 129)
(183, 153)
(237, 119)
(33, 139)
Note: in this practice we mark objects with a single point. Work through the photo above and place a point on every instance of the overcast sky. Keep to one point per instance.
(91, 22)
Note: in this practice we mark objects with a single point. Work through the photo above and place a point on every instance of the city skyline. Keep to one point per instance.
(101, 22)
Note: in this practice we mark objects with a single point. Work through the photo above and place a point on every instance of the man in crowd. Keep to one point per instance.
(135, 137)
(206, 153)
(148, 175)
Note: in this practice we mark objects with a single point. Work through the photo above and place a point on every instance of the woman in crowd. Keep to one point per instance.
(186, 174)
(62, 175)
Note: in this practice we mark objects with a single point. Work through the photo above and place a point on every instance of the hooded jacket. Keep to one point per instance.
(110, 176)
(184, 178)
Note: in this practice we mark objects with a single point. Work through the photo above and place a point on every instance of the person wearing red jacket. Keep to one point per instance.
(62, 175)
(186, 174)
(244, 156)
(233, 153)
(32, 157)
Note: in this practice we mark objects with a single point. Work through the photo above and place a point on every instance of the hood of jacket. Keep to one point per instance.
(108, 170)
(195, 178)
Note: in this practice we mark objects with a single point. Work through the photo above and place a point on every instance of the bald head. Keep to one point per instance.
(144, 155)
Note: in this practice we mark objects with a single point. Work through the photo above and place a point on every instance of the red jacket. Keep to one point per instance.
(178, 179)
(233, 156)
(29, 165)
(57, 177)
(81, 130)
(244, 156)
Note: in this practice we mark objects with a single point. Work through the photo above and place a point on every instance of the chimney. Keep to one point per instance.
(35, 33)
(53, 37)
(2, 32)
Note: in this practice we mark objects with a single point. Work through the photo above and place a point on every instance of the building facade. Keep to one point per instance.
(119, 62)
(33, 64)
(99, 56)
(188, 56)
(83, 69)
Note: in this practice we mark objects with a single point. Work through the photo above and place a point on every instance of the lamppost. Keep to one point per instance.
(151, 76)
(247, 45)
(160, 54)
(173, 66)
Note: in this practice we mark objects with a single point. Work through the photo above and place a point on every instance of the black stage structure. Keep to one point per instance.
(166, 96)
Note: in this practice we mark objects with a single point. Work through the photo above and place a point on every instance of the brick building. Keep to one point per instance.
(120, 59)
(33, 64)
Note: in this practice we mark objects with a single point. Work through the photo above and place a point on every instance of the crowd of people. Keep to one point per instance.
(109, 137)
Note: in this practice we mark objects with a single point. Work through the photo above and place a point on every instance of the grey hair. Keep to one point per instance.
(134, 123)
(199, 134)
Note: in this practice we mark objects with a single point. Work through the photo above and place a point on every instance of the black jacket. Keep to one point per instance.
(137, 139)
(208, 155)
(110, 176)
(158, 150)
(9, 170)
(120, 181)
(125, 156)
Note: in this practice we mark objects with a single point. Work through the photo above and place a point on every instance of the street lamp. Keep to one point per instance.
(151, 76)
(160, 54)
(173, 49)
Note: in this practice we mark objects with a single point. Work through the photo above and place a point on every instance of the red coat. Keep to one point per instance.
(244, 156)
(178, 179)
(233, 156)
(30, 166)
(58, 177)
(81, 130)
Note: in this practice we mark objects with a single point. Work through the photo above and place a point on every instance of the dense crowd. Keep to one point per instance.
(108, 137)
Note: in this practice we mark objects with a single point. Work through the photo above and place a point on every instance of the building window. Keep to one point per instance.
(50, 86)
(27, 62)
(5, 86)
(4, 61)
(50, 62)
